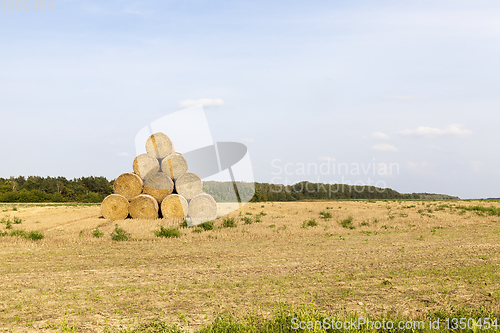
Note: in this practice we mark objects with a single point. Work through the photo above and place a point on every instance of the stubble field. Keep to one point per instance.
(378, 258)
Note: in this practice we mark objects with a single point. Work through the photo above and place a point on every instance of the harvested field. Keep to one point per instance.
(373, 257)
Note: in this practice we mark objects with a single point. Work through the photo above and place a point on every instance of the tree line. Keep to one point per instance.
(95, 189)
(54, 189)
(257, 192)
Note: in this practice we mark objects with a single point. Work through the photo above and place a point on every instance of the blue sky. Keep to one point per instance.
(407, 83)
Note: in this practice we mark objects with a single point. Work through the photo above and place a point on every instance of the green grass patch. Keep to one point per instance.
(347, 223)
(209, 225)
(229, 222)
(33, 235)
(119, 234)
(168, 232)
(97, 233)
(491, 210)
(325, 215)
(308, 318)
(309, 223)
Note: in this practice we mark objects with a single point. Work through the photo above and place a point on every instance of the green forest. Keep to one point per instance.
(54, 189)
(224, 192)
(95, 189)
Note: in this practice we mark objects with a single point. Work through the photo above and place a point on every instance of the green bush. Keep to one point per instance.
(347, 223)
(310, 223)
(229, 222)
(119, 234)
(325, 215)
(247, 220)
(167, 232)
(97, 233)
(21, 233)
(209, 225)
(33, 235)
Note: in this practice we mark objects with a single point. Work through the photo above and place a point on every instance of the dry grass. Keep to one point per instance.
(402, 257)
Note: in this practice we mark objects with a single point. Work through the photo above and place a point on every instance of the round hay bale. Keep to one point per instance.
(129, 185)
(144, 206)
(202, 208)
(145, 164)
(158, 185)
(114, 207)
(188, 185)
(175, 165)
(174, 206)
(159, 145)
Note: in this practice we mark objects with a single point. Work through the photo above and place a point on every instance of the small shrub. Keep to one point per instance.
(183, 224)
(364, 224)
(97, 233)
(248, 213)
(168, 232)
(310, 223)
(347, 223)
(119, 234)
(34, 235)
(257, 219)
(247, 220)
(17, 220)
(14, 233)
(325, 215)
(209, 225)
(262, 213)
(229, 222)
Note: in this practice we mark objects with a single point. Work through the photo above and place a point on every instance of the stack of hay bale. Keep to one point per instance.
(160, 186)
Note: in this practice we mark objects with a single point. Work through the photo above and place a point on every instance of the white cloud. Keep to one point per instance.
(385, 147)
(123, 154)
(432, 132)
(203, 101)
(380, 135)
(326, 159)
